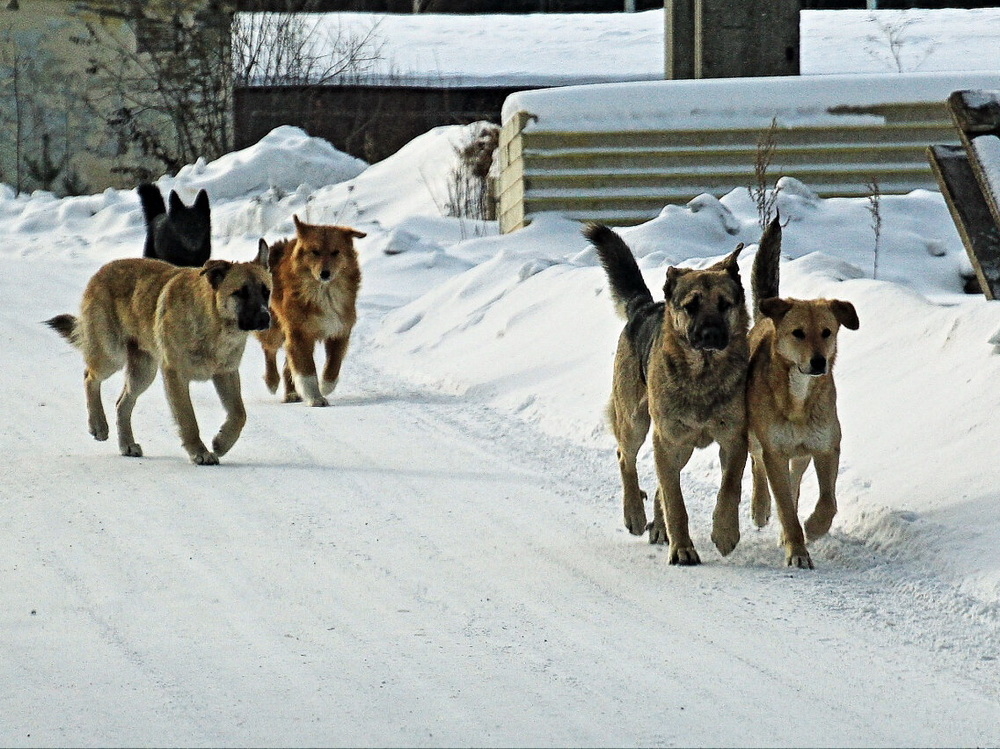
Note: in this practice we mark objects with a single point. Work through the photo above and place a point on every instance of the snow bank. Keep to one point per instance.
(284, 160)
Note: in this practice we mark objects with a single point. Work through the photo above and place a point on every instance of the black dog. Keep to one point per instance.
(182, 235)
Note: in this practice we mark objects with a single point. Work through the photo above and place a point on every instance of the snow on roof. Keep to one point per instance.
(579, 48)
(734, 102)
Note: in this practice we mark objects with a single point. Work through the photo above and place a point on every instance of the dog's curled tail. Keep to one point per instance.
(67, 326)
(765, 275)
(628, 288)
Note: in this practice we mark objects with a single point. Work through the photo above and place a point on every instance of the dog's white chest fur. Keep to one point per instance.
(328, 298)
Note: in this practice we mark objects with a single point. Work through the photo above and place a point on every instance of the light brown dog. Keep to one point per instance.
(681, 365)
(191, 323)
(792, 400)
(316, 282)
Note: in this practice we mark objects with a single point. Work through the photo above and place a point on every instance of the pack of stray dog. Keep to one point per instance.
(689, 367)
(180, 312)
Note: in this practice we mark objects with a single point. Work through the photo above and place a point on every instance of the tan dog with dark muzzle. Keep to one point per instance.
(681, 366)
(191, 323)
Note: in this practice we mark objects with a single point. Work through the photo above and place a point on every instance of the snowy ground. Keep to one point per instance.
(439, 557)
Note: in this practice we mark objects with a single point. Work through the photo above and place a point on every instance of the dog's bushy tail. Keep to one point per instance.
(67, 326)
(152, 201)
(765, 275)
(628, 288)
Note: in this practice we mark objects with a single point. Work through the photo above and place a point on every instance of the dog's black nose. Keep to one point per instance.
(817, 365)
(325, 275)
(714, 337)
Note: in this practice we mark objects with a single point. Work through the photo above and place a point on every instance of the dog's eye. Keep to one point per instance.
(316, 253)
(799, 333)
(825, 333)
(691, 307)
(724, 305)
(242, 292)
(335, 253)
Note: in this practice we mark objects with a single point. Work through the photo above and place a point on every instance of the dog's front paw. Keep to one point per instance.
(635, 521)
(131, 450)
(799, 559)
(817, 526)
(685, 556)
(657, 533)
(725, 538)
(204, 458)
(292, 397)
(99, 431)
(319, 402)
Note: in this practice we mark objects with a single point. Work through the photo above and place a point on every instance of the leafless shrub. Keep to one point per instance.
(875, 209)
(762, 192)
(893, 38)
(288, 49)
(471, 190)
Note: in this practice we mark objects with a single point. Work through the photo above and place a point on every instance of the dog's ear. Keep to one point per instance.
(263, 254)
(298, 224)
(176, 204)
(201, 202)
(729, 263)
(775, 308)
(355, 233)
(845, 313)
(672, 275)
(215, 271)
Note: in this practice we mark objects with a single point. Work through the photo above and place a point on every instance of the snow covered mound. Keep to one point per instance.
(284, 160)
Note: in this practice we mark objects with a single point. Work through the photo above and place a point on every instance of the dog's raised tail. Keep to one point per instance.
(765, 275)
(152, 201)
(628, 288)
(67, 327)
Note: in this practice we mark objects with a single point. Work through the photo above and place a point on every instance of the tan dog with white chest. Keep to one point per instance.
(792, 401)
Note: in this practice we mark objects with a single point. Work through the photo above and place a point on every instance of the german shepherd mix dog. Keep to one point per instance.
(792, 400)
(180, 235)
(192, 323)
(316, 282)
(681, 364)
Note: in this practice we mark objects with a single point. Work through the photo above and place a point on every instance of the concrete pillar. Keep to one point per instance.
(731, 38)
(679, 38)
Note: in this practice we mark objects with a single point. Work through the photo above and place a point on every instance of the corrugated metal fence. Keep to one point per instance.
(620, 168)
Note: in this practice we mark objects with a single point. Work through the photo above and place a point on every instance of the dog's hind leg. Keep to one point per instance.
(658, 528)
(798, 469)
(179, 398)
(336, 349)
(271, 377)
(97, 421)
(630, 431)
(670, 459)
(291, 394)
(140, 371)
(726, 518)
(822, 516)
(227, 385)
(760, 503)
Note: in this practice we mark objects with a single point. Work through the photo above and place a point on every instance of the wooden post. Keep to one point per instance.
(969, 176)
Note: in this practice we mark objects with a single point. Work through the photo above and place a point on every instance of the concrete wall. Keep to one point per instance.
(370, 122)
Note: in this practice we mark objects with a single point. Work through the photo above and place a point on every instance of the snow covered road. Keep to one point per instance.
(405, 568)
